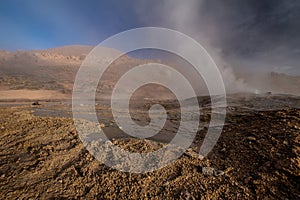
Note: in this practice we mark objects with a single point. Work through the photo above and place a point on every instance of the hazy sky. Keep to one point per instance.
(261, 30)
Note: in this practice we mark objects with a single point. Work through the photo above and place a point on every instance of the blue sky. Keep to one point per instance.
(38, 24)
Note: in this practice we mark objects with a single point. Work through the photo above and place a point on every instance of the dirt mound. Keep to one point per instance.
(43, 158)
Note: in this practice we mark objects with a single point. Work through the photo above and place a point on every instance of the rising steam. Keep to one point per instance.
(247, 39)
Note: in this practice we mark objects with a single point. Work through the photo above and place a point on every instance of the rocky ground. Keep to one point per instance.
(43, 158)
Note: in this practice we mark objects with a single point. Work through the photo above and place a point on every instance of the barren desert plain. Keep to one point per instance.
(42, 156)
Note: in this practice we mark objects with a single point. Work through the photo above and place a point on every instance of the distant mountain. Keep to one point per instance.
(73, 50)
(53, 69)
(56, 68)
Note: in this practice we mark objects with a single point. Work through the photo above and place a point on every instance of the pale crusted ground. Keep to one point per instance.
(31, 94)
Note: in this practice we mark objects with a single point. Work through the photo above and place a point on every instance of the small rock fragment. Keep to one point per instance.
(102, 125)
(36, 103)
(201, 157)
(189, 152)
(219, 173)
(251, 138)
(209, 171)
